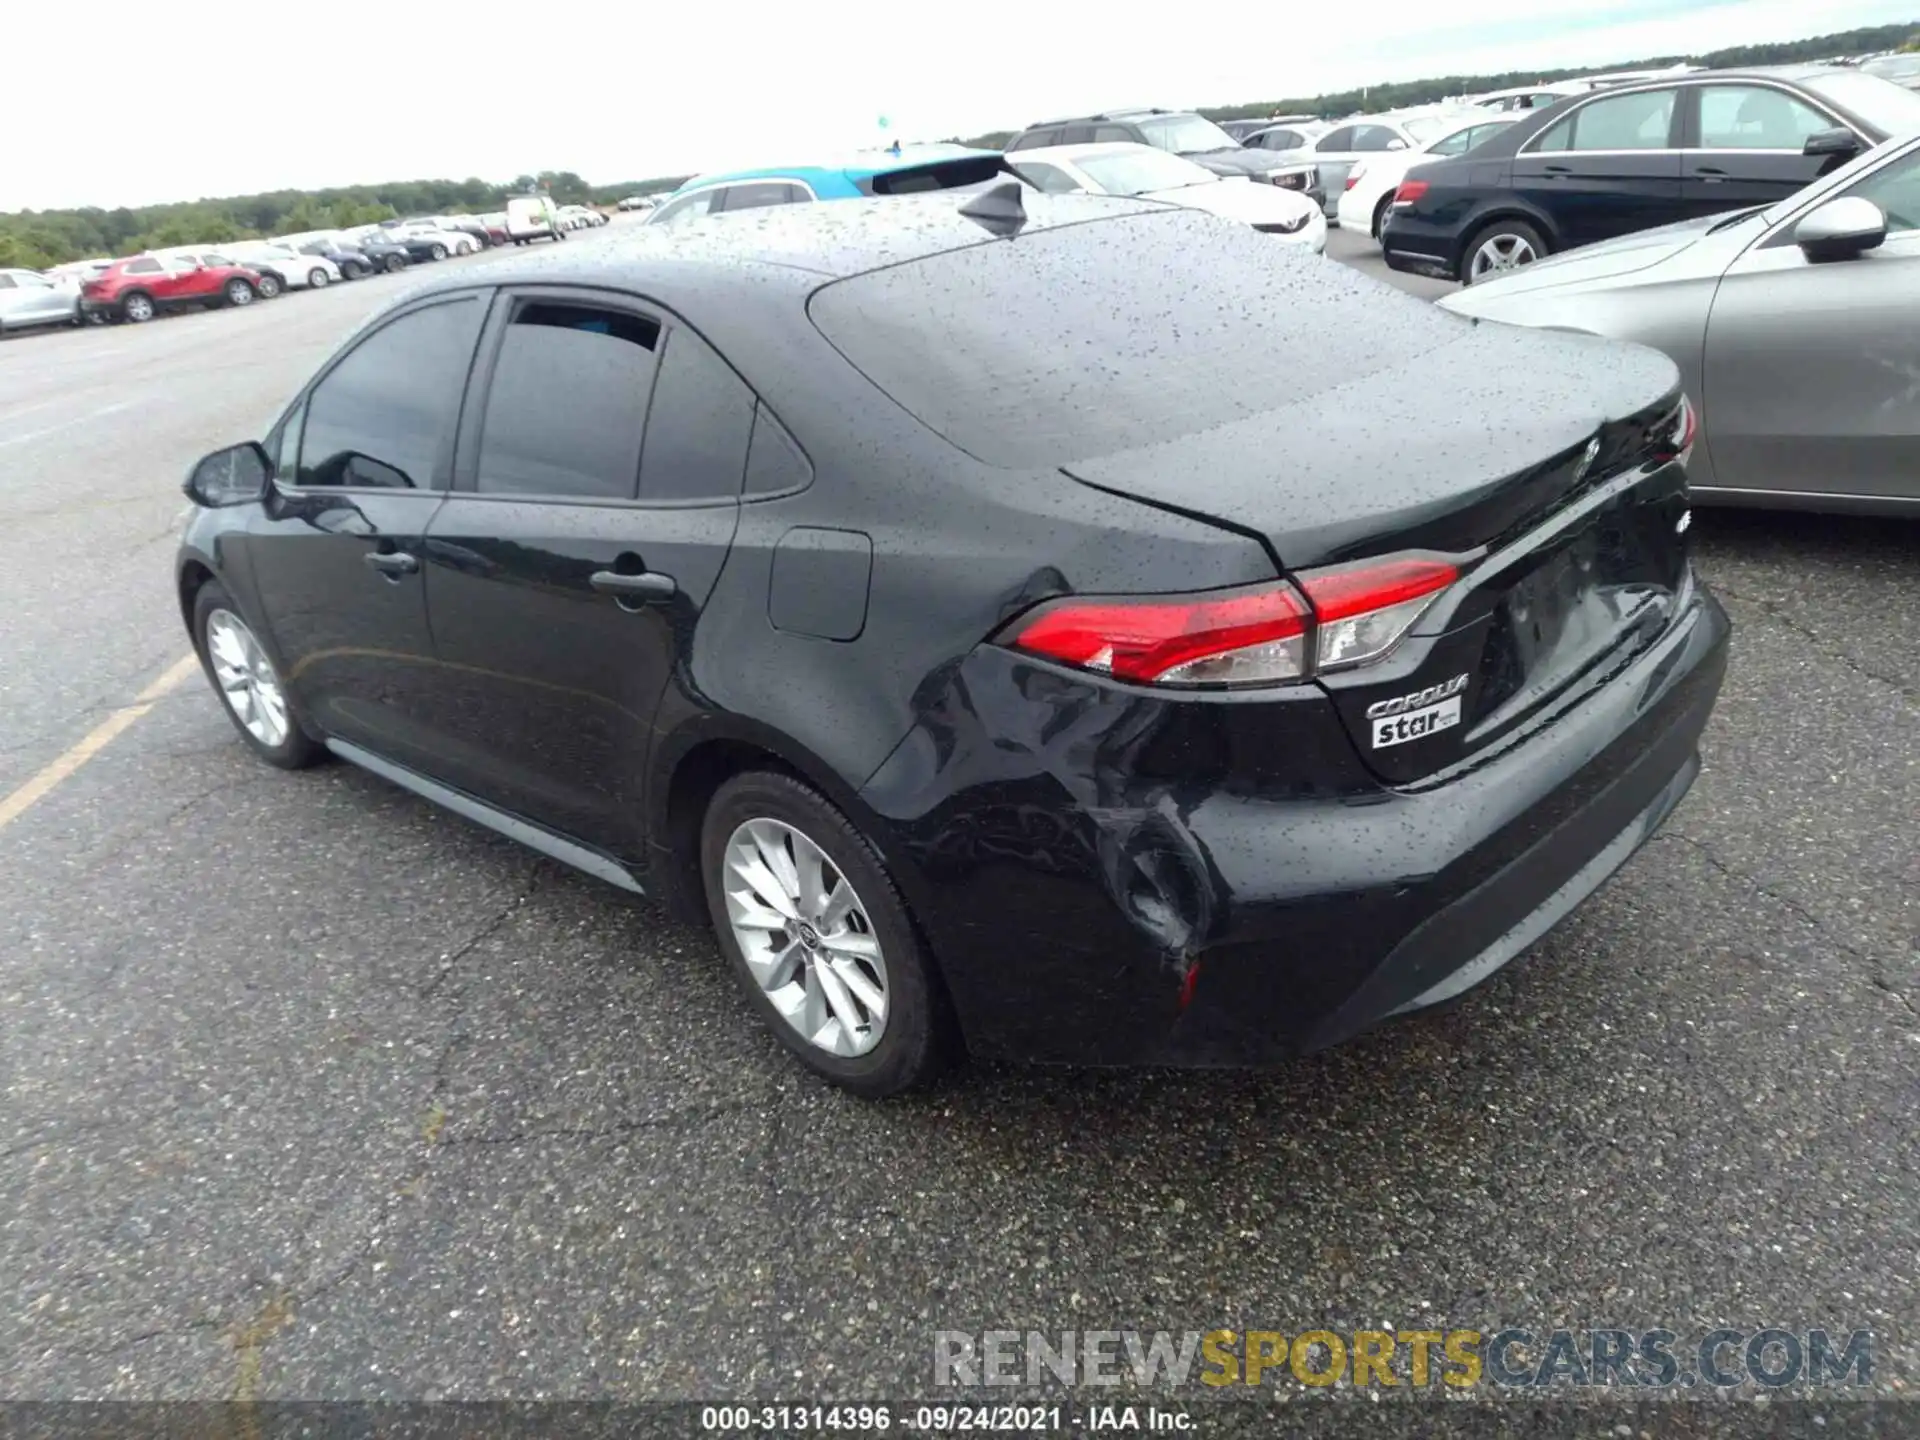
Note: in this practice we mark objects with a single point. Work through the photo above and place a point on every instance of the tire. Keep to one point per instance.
(239, 292)
(136, 307)
(269, 287)
(1380, 216)
(290, 747)
(1515, 237)
(439, 252)
(318, 279)
(915, 1036)
(395, 264)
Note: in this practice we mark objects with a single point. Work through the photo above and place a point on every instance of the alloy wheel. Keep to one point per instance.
(318, 279)
(246, 678)
(138, 308)
(239, 293)
(1499, 253)
(806, 937)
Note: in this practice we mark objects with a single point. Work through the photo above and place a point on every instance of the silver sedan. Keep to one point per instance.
(1796, 328)
(28, 298)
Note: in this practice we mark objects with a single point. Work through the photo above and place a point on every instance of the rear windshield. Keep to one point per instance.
(940, 175)
(1090, 339)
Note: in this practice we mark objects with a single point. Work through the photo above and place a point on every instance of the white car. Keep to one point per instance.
(1530, 97)
(1363, 137)
(581, 217)
(1147, 173)
(300, 272)
(1370, 184)
(458, 242)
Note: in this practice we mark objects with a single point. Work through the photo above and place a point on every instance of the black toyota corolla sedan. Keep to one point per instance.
(963, 603)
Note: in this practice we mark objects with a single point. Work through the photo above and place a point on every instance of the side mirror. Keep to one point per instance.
(232, 476)
(1837, 141)
(1841, 229)
(1396, 143)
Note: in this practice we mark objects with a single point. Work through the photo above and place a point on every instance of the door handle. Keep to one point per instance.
(393, 563)
(1558, 169)
(1712, 174)
(647, 585)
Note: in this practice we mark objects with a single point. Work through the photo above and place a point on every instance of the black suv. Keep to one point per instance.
(1180, 131)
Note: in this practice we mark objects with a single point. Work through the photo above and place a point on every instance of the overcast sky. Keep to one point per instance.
(306, 95)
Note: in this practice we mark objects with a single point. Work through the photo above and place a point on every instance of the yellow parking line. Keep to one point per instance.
(93, 742)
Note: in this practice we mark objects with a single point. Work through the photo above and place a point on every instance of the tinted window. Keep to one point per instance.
(1755, 117)
(1103, 133)
(698, 427)
(1279, 140)
(774, 462)
(1374, 137)
(1033, 139)
(1047, 350)
(384, 414)
(1639, 121)
(761, 192)
(1895, 189)
(938, 175)
(143, 267)
(567, 403)
(1336, 140)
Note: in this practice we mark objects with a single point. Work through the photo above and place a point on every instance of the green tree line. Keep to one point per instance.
(36, 239)
(1397, 94)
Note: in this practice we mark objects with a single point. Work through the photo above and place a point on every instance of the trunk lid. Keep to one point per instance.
(1524, 455)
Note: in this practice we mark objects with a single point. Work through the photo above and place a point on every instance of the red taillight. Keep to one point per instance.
(1678, 432)
(1232, 637)
(1352, 180)
(1364, 610)
(1409, 191)
(1335, 618)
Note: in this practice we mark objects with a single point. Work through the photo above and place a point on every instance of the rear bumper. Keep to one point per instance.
(1200, 927)
(1413, 244)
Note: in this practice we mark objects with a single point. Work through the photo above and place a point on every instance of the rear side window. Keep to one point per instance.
(568, 403)
(1069, 344)
(6, 282)
(699, 426)
(1103, 133)
(1050, 178)
(143, 267)
(762, 192)
(1642, 120)
(774, 461)
(686, 208)
(383, 416)
(1335, 141)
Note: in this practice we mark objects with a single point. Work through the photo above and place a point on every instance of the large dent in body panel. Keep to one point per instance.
(1001, 754)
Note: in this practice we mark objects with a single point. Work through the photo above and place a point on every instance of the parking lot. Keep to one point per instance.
(313, 1090)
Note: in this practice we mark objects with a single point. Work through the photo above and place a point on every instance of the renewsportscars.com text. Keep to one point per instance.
(1460, 1359)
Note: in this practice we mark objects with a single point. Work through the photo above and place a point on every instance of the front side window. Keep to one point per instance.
(384, 416)
(568, 403)
(1642, 120)
(1895, 189)
(1756, 117)
(698, 427)
(1279, 140)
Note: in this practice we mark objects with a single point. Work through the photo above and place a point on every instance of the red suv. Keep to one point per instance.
(139, 288)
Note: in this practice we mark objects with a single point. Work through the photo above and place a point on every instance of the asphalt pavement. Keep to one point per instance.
(314, 1091)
